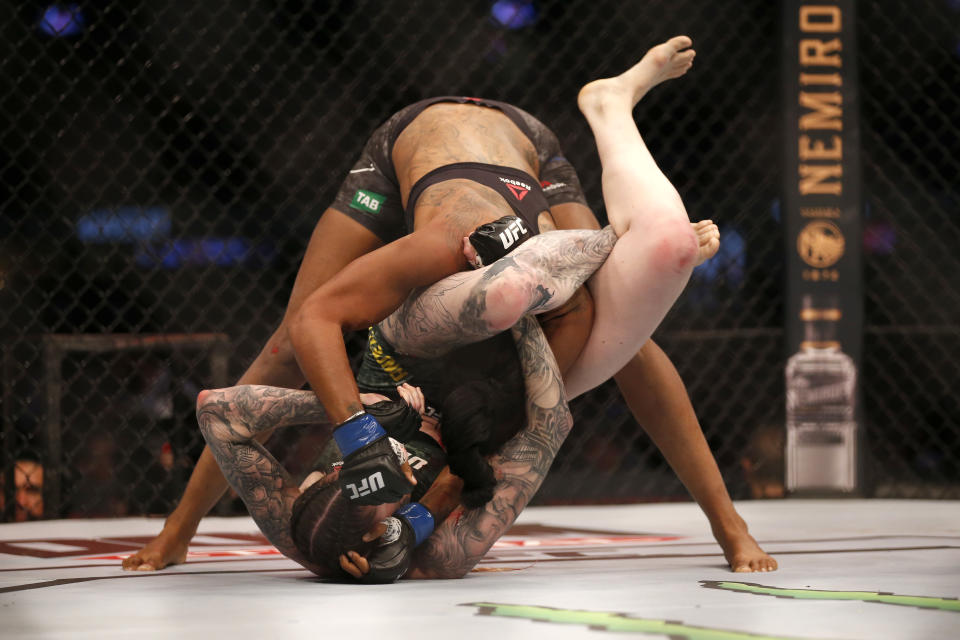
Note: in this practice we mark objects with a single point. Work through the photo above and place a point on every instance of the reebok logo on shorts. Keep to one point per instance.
(517, 188)
(367, 201)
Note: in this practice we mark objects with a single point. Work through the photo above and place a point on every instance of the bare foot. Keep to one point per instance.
(743, 553)
(708, 240)
(670, 59)
(161, 552)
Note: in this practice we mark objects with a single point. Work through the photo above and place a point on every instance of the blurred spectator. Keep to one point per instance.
(28, 490)
(96, 491)
(763, 462)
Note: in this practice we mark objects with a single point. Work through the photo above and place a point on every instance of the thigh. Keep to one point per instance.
(632, 293)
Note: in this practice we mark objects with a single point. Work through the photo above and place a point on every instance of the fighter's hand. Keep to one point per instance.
(373, 398)
(354, 564)
(373, 470)
(708, 238)
(470, 253)
(396, 537)
(390, 559)
(410, 394)
(413, 396)
(401, 419)
(374, 474)
(161, 552)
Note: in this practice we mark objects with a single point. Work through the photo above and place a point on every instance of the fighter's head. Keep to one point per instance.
(478, 418)
(325, 524)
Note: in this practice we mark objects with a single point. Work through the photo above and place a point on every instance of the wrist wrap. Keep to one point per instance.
(420, 519)
(357, 433)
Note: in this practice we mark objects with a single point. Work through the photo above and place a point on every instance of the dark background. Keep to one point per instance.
(206, 138)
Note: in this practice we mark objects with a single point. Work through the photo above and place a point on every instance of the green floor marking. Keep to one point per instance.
(921, 602)
(616, 622)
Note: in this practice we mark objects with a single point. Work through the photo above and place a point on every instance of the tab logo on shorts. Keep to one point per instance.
(517, 188)
(368, 201)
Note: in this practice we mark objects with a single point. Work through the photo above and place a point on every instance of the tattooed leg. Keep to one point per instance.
(229, 419)
(538, 276)
(464, 538)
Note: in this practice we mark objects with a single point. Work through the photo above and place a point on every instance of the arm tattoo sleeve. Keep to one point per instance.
(460, 542)
(538, 276)
(229, 419)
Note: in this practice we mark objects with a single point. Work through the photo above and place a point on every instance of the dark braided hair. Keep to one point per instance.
(324, 524)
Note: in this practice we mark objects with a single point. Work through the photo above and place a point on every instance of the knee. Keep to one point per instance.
(676, 247)
(506, 302)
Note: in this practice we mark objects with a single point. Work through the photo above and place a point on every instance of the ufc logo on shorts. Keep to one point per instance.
(512, 233)
(368, 486)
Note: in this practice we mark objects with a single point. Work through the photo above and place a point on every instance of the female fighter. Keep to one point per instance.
(653, 389)
(320, 528)
(647, 269)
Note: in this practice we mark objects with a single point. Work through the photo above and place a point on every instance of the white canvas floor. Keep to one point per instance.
(848, 569)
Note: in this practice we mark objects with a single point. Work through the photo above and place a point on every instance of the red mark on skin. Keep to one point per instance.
(275, 350)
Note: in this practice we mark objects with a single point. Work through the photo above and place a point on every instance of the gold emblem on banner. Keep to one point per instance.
(820, 244)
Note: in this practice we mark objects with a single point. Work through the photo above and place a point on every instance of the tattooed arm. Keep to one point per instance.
(458, 544)
(229, 419)
(539, 276)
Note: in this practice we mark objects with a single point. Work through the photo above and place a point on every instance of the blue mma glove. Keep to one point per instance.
(496, 239)
(371, 472)
(409, 526)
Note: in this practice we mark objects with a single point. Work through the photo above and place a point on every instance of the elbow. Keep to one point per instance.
(303, 322)
(205, 400)
(506, 302)
(211, 413)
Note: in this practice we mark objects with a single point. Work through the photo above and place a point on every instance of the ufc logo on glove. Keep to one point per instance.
(512, 233)
(372, 471)
(367, 486)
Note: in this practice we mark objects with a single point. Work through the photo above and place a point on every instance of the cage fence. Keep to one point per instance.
(163, 164)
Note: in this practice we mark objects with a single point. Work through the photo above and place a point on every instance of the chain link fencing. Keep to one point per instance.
(910, 75)
(163, 164)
